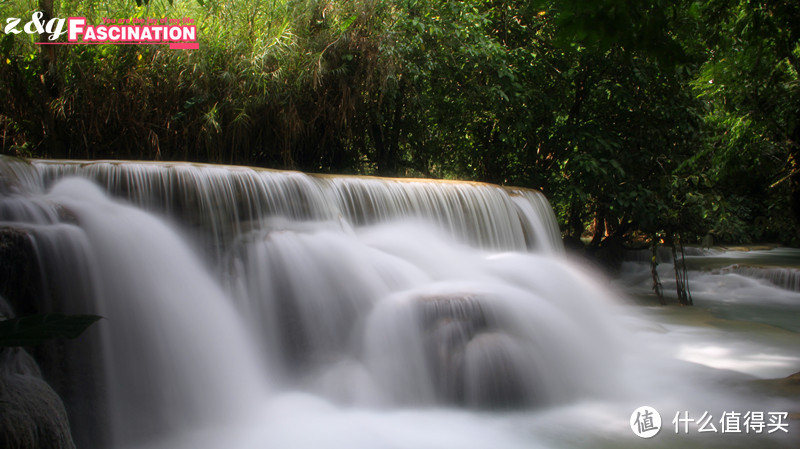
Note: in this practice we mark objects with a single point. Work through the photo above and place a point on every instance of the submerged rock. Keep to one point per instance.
(472, 361)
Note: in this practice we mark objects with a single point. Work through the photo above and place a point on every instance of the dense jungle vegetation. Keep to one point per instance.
(641, 121)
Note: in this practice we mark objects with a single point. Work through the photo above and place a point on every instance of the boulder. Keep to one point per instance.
(33, 416)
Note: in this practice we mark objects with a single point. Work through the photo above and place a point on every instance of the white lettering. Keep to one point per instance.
(75, 27)
(11, 26)
(35, 23)
(55, 27)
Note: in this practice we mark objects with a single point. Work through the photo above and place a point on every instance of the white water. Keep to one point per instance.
(336, 312)
(756, 286)
(222, 202)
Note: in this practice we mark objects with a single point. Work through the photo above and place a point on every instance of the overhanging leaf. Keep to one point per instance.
(36, 329)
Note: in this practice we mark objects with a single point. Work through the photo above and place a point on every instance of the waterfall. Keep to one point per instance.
(243, 307)
(223, 202)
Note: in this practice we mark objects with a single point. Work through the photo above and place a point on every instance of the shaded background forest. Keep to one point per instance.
(640, 121)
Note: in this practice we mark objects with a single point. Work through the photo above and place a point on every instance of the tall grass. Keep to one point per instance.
(274, 83)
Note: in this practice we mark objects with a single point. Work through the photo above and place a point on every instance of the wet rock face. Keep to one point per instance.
(472, 361)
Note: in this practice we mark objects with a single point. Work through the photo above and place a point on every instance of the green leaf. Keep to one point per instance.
(346, 24)
(36, 329)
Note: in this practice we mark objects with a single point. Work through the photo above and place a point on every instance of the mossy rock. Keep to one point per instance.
(33, 416)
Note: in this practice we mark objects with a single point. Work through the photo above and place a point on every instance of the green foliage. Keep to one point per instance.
(36, 329)
(650, 27)
(751, 88)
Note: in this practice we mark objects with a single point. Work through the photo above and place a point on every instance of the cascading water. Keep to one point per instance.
(251, 308)
(164, 314)
(223, 202)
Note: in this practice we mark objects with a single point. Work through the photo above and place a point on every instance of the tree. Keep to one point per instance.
(752, 87)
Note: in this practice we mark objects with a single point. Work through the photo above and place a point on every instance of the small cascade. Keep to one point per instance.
(481, 214)
(784, 277)
(778, 267)
(540, 224)
(17, 176)
(305, 290)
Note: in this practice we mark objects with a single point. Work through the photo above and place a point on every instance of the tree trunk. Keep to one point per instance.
(47, 53)
(681, 273)
(599, 229)
(657, 287)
